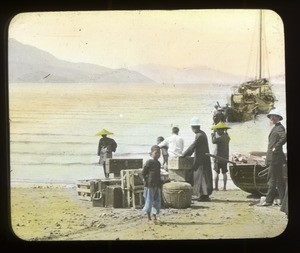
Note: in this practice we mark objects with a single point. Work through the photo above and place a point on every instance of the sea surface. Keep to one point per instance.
(53, 126)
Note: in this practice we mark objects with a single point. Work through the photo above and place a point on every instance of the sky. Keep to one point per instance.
(225, 40)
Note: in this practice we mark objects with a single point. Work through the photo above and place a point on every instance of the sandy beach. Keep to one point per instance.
(51, 212)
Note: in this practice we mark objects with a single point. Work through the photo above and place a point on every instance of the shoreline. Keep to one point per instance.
(23, 183)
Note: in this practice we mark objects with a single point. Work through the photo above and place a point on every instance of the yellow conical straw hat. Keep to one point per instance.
(220, 125)
(103, 132)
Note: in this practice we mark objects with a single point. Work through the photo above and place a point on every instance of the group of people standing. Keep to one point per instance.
(202, 173)
(202, 178)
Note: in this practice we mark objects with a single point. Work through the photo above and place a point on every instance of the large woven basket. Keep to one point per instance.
(177, 194)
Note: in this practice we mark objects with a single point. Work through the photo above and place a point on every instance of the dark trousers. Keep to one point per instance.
(284, 203)
(105, 171)
(276, 183)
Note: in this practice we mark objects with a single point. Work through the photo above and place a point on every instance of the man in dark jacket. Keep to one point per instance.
(275, 159)
(202, 174)
(106, 147)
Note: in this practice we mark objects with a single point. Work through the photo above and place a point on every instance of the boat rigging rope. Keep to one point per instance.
(254, 180)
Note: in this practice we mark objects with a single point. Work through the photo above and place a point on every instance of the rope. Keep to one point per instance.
(263, 172)
(254, 180)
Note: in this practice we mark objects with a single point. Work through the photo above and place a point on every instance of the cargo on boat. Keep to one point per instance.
(249, 173)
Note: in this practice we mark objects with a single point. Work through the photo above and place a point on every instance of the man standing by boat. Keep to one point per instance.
(202, 174)
(275, 159)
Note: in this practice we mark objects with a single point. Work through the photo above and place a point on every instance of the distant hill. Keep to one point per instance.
(30, 64)
(199, 74)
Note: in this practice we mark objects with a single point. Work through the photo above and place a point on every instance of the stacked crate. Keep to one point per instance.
(86, 189)
(125, 169)
(102, 197)
(180, 168)
(115, 166)
(133, 188)
(125, 189)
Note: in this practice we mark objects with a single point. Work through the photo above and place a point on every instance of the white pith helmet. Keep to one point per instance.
(195, 121)
(275, 112)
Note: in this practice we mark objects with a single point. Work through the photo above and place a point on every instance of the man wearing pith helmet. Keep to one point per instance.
(202, 174)
(275, 158)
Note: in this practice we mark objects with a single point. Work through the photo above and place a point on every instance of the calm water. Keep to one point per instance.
(53, 126)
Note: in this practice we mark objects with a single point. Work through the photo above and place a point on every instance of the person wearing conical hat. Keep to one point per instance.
(275, 159)
(221, 140)
(201, 177)
(106, 147)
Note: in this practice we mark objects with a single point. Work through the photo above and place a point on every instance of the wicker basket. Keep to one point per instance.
(177, 194)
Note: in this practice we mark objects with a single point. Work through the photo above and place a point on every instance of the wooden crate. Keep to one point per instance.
(131, 178)
(114, 196)
(134, 197)
(180, 163)
(115, 166)
(180, 175)
(133, 188)
(86, 189)
(103, 183)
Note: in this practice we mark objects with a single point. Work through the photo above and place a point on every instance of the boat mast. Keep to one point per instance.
(260, 45)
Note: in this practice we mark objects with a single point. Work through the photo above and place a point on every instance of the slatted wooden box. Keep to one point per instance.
(134, 197)
(133, 187)
(180, 163)
(115, 166)
(86, 188)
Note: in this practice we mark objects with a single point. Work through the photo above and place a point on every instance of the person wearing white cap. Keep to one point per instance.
(202, 173)
(275, 159)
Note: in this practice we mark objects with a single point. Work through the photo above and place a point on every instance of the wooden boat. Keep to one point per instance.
(252, 97)
(246, 177)
(250, 174)
(240, 109)
(259, 93)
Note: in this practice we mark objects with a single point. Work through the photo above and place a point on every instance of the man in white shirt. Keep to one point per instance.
(174, 143)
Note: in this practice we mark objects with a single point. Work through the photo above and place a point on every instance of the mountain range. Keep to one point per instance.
(29, 64)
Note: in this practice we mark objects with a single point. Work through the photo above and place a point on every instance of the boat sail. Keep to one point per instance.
(252, 97)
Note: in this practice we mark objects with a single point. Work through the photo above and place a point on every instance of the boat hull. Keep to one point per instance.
(246, 177)
(233, 115)
(264, 106)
